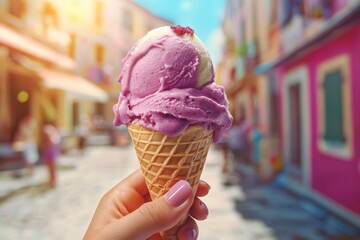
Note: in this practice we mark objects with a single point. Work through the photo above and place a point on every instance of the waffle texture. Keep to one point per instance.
(165, 160)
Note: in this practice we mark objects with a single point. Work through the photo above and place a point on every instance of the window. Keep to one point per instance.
(127, 21)
(17, 8)
(75, 115)
(99, 52)
(72, 45)
(49, 18)
(98, 13)
(333, 112)
(287, 12)
(334, 107)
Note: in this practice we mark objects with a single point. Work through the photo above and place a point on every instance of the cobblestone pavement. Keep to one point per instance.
(289, 216)
(236, 212)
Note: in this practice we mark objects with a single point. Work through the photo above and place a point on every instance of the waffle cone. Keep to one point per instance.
(165, 160)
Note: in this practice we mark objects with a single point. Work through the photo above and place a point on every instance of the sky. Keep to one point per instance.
(204, 16)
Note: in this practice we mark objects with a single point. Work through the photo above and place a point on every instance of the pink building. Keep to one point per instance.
(300, 84)
(319, 96)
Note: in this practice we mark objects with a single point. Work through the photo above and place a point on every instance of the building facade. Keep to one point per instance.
(306, 82)
(101, 36)
(68, 55)
(252, 38)
(320, 121)
(38, 76)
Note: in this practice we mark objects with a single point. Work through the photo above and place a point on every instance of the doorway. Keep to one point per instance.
(295, 157)
(296, 147)
(21, 92)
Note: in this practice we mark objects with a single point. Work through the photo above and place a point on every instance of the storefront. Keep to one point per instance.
(318, 85)
(39, 81)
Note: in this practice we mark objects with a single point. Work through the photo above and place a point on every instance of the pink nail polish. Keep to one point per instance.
(191, 233)
(178, 193)
(204, 207)
(208, 185)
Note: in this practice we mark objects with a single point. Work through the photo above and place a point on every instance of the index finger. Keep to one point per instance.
(135, 181)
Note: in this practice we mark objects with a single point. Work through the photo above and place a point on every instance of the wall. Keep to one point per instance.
(335, 178)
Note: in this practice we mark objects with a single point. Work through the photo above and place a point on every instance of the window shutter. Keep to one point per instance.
(334, 127)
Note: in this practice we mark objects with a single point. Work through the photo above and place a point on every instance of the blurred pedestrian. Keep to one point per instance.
(50, 150)
(82, 131)
(223, 146)
(25, 139)
(256, 139)
(238, 140)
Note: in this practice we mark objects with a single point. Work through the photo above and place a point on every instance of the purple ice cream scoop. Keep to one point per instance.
(167, 82)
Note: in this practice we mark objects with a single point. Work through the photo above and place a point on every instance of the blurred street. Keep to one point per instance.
(246, 211)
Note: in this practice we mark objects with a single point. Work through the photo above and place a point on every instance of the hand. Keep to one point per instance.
(127, 212)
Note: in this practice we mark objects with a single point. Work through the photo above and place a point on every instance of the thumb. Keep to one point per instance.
(160, 214)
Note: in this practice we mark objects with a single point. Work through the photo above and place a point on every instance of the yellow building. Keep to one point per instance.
(107, 32)
(38, 77)
(68, 53)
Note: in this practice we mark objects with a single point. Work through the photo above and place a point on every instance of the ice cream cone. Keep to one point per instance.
(165, 160)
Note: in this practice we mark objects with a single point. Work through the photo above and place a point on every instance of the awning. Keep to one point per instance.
(75, 85)
(26, 45)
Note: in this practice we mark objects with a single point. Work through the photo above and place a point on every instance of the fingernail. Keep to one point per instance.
(178, 193)
(208, 185)
(204, 207)
(191, 233)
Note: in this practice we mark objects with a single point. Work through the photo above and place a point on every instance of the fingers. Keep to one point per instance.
(189, 231)
(126, 196)
(124, 212)
(134, 181)
(203, 189)
(156, 216)
(199, 210)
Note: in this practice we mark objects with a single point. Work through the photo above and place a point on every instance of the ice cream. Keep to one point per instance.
(172, 107)
(167, 82)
